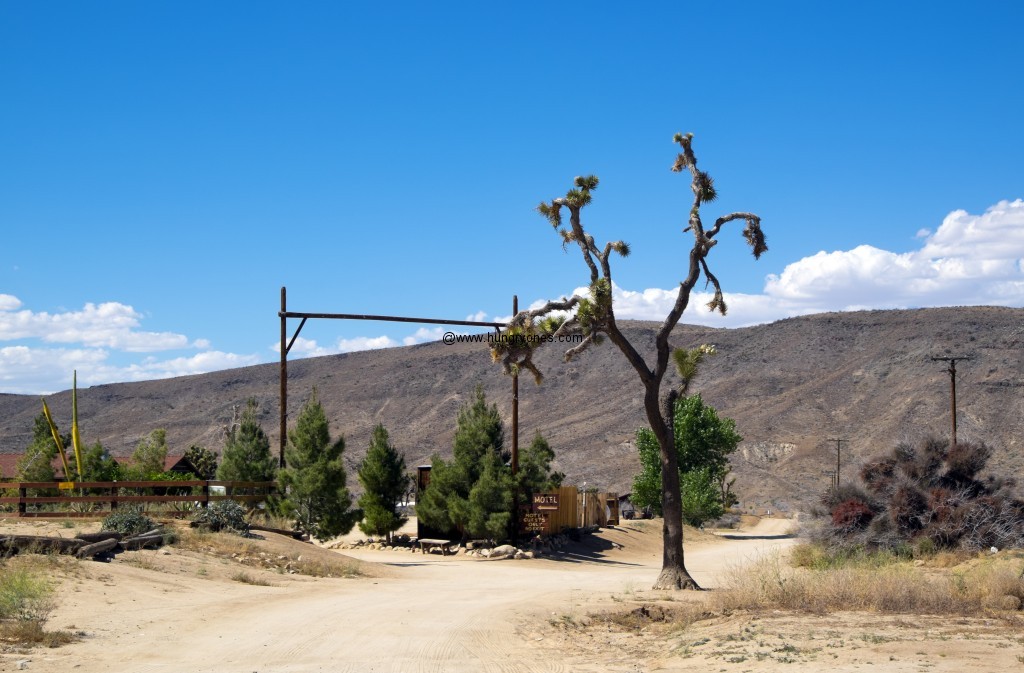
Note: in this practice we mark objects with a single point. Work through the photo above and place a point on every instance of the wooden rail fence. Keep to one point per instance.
(90, 498)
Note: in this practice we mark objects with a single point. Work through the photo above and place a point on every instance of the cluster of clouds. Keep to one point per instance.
(970, 260)
(83, 340)
(967, 260)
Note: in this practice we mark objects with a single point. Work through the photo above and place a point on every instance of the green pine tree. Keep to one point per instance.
(382, 475)
(535, 475)
(246, 455)
(449, 502)
(314, 481)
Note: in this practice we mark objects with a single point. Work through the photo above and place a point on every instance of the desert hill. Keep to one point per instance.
(865, 377)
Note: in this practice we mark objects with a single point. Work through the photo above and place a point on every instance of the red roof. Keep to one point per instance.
(9, 463)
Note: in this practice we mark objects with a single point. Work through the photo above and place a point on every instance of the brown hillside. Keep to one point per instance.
(865, 377)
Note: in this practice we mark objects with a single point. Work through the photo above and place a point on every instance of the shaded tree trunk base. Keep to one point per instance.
(675, 579)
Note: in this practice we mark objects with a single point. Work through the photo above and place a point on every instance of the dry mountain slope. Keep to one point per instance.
(865, 377)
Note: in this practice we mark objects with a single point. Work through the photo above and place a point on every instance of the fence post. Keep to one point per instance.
(205, 502)
(22, 494)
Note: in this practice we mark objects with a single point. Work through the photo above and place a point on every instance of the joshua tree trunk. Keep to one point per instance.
(595, 316)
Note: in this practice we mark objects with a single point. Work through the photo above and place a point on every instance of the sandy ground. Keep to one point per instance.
(178, 611)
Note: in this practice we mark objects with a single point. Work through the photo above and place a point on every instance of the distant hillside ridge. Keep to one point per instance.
(865, 377)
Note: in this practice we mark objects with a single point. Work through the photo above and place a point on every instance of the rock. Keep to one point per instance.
(503, 551)
(486, 553)
(519, 556)
(530, 554)
(23, 664)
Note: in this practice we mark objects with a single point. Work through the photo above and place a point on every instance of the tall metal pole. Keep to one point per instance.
(515, 440)
(952, 387)
(284, 373)
(515, 404)
(952, 396)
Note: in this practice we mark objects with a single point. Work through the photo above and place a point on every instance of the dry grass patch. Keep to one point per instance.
(311, 560)
(246, 578)
(26, 602)
(896, 588)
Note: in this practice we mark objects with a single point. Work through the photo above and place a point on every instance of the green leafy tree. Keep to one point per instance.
(703, 443)
(479, 442)
(149, 457)
(99, 465)
(36, 464)
(382, 475)
(314, 480)
(594, 318)
(246, 455)
(203, 462)
(702, 498)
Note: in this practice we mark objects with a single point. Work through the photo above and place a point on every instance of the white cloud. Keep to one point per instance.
(305, 348)
(107, 325)
(424, 334)
(28, 370)
(365, 344)
(9, 302)
(968, 260)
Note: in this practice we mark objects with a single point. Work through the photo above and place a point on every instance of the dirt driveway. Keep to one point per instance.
(156, 612)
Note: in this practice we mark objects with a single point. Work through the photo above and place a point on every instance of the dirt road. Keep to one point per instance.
(428, 613)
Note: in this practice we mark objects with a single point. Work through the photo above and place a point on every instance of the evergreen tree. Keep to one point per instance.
(703, 443)
(382, 475)
(36, 464)
(314, 481)
(246, 455)
(535, 475)
(490, 500)
(149, 456)
(449, 502)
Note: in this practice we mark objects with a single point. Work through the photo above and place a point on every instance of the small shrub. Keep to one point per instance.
(223, 515)
(128, 521)
(24, 596)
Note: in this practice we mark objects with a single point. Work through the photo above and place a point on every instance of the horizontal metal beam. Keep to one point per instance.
(389, 318)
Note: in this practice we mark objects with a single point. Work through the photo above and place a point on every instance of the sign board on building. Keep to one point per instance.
(545, 501)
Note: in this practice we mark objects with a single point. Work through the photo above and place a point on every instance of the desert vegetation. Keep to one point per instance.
(594, 317)
(929, 496)
(472, 494)
(703, 443)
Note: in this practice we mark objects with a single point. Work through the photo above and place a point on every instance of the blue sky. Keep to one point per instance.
(166, 167)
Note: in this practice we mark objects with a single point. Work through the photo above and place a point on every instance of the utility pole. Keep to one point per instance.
(952, 386)
(839, 445)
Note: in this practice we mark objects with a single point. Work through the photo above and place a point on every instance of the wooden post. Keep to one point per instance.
(284, 374)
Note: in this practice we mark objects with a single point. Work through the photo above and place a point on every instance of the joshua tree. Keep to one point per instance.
(594, 316)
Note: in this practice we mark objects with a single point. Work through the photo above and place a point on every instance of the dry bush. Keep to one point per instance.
(246, 578)
(892, 588)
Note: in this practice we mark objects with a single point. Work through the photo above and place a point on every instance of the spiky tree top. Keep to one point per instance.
(594, 316)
